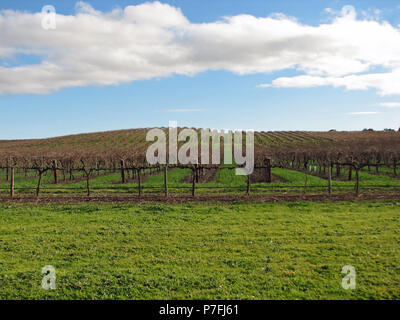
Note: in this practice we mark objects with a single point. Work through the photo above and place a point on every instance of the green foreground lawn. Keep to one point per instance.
(201, 250)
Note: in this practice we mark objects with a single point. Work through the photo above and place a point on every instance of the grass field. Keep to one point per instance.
(201, 251)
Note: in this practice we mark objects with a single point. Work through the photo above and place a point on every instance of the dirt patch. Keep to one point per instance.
(259, 176)
(219, 198)
(208, 176)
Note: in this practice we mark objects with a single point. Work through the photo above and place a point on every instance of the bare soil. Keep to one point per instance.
(259, 176)
(209, 175)
(186, 198)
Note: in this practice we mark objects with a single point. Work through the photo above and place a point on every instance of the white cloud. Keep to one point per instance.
(390, 104)
(363, 113)
(386, 83)
(184, 110)
(155, 40)
(85, 8)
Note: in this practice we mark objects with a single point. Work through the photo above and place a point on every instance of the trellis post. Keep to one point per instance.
(12, 182)
(123, 171)
(193, 182)
(166, 181)
(139, 182)
(39, 181)
(7, 171)
(88, 183)
(248, 185)
(330, 178)
(55, 171)
(357, 182)
(268, 170)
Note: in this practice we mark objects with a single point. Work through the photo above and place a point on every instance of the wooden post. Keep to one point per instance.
(193, 182)
(394, 167)
(338, 170)
(38, 185)
(166, 181)
(12, 182)
(330, 178)
(139, 182)
(357, 182)
(268, 171)
(350, 172)
(122, 171)
(197, 174)
(55, 171)
(88, 183)
(248, 185)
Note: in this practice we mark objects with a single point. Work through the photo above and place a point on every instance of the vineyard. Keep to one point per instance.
(114, 164)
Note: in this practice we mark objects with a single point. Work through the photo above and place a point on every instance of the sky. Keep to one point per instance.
(263, 65)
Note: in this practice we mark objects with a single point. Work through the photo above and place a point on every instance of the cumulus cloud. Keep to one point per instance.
(184, 110)
(390, 104)
(363, 113)
(154, 40)
(386, 83)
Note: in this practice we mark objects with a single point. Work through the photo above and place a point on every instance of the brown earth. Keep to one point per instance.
(218, 198)
(209, 175)
(259, 176)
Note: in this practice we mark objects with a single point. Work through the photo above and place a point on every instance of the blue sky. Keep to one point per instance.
(211, 98)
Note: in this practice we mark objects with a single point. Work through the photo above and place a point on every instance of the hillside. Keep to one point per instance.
(125, 140)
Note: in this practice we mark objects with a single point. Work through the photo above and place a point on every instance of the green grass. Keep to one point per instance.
(228, 177)
(201, 251)
(18, 174)
(367, 179)
(175, 176)
(294, 177)
(298, 178)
